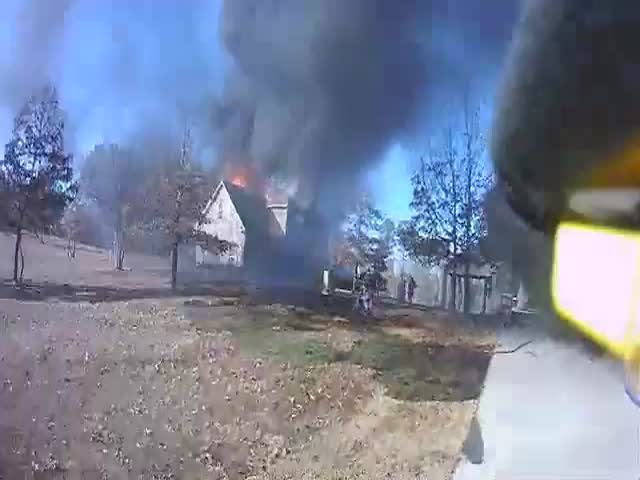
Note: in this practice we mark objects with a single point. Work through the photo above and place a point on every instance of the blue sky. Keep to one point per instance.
(390, 182)
(117, 64)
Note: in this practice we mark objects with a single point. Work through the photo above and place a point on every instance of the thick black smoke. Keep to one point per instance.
(34, 49)
(321, 87)
(318, 88)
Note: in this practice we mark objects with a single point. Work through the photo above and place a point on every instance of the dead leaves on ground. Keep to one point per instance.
(146, 395)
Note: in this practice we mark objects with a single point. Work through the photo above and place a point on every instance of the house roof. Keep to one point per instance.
(250, 207)
(256, 216)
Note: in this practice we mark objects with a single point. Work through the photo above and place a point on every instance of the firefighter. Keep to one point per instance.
(402, 289)
(411, 288)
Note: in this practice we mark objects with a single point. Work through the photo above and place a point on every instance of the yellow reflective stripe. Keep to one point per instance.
(581, 250)
(632, 335)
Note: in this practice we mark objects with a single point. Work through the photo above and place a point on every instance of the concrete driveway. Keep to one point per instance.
(548, 411)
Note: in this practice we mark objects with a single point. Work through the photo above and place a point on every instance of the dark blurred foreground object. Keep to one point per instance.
(566, 148)
(568, 113)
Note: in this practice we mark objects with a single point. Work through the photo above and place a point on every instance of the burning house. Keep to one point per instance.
(272, 237)
(320, 110)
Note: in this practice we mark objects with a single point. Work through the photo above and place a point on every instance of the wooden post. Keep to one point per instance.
(445, 282)
(485, 293)
(174, 265)
(466, 286)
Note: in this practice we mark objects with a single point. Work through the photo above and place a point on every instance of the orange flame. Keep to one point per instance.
(241, 175)
(239, 181)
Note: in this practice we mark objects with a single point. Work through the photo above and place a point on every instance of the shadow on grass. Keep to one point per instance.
(422, 371)
(304, 302)
(414, 371)
(48, 291)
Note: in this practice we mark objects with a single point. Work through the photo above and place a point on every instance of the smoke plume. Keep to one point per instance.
(36, 46)
(316, 91)
(321, 87)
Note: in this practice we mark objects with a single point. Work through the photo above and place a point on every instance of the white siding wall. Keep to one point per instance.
(224, 222)
(280, 214)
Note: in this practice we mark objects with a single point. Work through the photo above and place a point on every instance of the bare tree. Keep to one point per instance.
(174, 203)
(111, 178)
(37, 177)
(449, 186)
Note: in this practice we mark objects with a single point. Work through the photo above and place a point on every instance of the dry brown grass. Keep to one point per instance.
(121, 390)
(48, 262)
(151, 388)
(387, 439)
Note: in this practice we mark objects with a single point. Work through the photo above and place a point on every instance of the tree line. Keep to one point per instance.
(451, 183)
(119, 190)
(157, 191)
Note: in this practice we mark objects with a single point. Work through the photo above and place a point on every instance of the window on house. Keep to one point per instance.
(220, 211)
